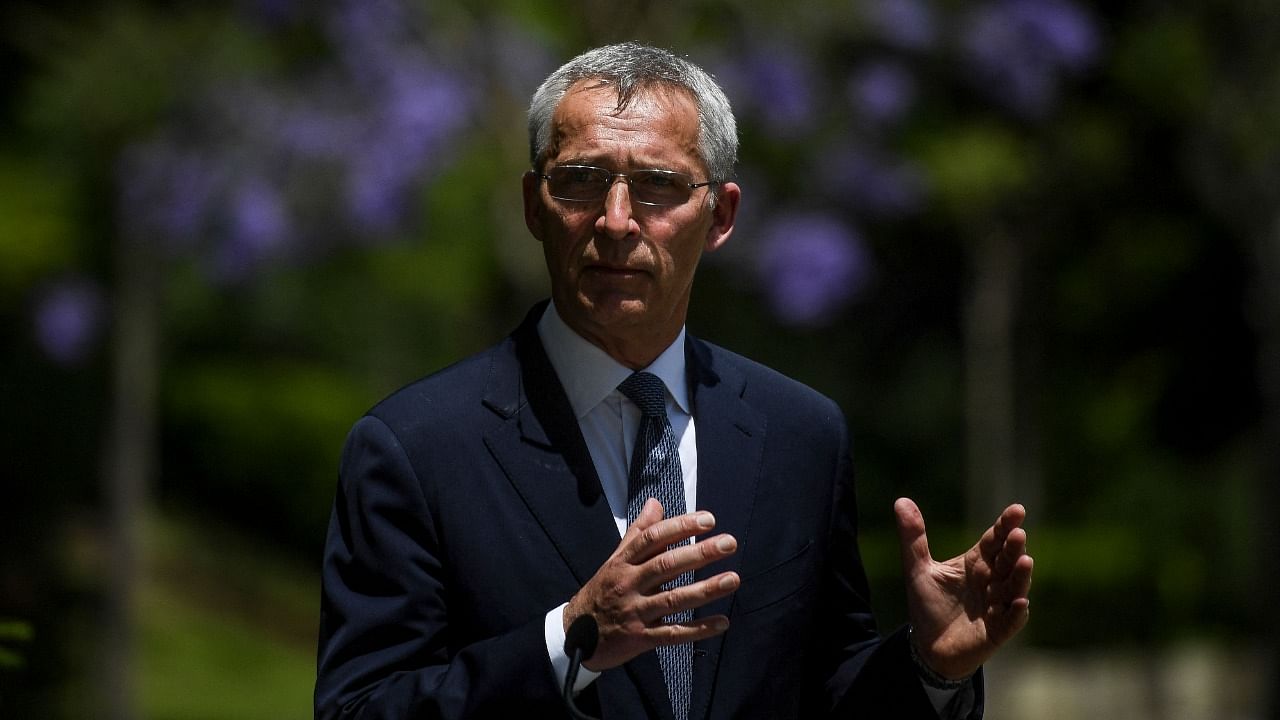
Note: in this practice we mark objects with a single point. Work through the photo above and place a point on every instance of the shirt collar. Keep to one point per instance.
(588, 374)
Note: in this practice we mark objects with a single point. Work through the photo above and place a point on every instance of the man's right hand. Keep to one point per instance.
(625, 595)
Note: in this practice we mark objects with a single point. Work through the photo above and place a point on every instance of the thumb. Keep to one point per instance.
(911, 535)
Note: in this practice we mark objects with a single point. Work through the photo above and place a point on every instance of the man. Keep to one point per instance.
(484, 509)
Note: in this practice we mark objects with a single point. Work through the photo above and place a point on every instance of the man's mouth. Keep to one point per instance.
(619, 271)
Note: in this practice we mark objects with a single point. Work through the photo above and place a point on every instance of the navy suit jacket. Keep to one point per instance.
(468, 507)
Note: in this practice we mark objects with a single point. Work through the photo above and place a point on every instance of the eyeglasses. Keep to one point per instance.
(583, 183)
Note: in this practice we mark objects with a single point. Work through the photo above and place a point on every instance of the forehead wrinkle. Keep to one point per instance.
(627, 94)
(633, 132)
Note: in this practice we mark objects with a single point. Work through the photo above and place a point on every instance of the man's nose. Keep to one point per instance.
(618, 219)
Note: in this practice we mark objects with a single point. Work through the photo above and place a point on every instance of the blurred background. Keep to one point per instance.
(1032, 247)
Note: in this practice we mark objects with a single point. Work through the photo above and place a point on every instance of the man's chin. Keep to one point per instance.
(605, 314)
(618, 312)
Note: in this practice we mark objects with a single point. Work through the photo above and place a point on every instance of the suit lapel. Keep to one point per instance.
(541, 450)
(730, 446)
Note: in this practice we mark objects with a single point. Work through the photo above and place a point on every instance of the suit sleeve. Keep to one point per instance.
(386, 650)
(872, 677)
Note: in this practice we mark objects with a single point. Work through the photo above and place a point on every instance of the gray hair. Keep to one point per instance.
(632, 67)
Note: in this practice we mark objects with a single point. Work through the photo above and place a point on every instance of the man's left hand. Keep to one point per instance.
(965, 608)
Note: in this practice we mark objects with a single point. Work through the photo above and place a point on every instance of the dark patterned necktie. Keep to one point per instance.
(655, 473)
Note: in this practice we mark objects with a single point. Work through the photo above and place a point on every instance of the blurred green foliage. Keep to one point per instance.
(226, 624)
(13, 634)
(36, 230)
(976, 169)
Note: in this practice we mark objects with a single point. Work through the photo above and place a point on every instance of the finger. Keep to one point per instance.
(1007, 619)
(686, 632)
(1019, 582)
(1015, 546)
(655, 538)
(1014, 588)
(688, 597)
(993, 539)
(651, 513)
(911, 536)
(1009, 622)
(1011, 519)
(685, 558)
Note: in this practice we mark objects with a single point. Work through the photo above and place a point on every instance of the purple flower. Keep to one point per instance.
(315, 132)
(405, 140)
(521, 60)
(258, 220)
(166, 193)
(882, 91)
(1068, 37)
(257, 171)
(410, 108)
(1019, 48)
(774, 85)
(907, 24)
(68, 320)
(367, 32)
(811, 264)
(257, 230)
(376, 189)
(422, 105)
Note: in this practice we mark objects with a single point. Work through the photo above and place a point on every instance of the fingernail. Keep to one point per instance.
(726, 543)
(728, 583)
(706, 520)
(722, 624)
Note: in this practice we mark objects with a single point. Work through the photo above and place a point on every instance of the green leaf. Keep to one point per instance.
(18, 630)
(109, 75)
(36, 229)
(14, 631)
(10, 660)
(977, 169)
(1165, 66)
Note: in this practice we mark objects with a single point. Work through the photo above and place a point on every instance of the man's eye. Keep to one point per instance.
(655, 180)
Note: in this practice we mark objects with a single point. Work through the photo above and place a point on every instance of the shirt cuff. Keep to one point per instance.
(939, 698)
(553, 627)
(949, 704)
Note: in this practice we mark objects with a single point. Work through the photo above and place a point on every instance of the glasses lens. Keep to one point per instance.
(577, 182)
(584, 183)
(660, 187)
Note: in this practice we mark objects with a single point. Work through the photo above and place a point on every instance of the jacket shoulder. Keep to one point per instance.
(762, 385)
(445, 393)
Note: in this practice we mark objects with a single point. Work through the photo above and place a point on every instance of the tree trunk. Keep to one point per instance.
(129, 459)
(1267, 297)
(990, 416)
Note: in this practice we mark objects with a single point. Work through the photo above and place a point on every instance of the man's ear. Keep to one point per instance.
(531, 186)
(724, 212)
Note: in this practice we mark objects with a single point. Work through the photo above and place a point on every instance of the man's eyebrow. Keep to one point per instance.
(599, 162)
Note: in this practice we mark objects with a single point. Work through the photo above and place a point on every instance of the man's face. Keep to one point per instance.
(621, 272)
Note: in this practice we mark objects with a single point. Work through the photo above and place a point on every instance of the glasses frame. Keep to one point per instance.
(626, 176)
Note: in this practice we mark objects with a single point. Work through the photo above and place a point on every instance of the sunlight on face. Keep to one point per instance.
(621, 272)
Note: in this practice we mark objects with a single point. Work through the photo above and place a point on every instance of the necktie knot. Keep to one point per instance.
(648, 392)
